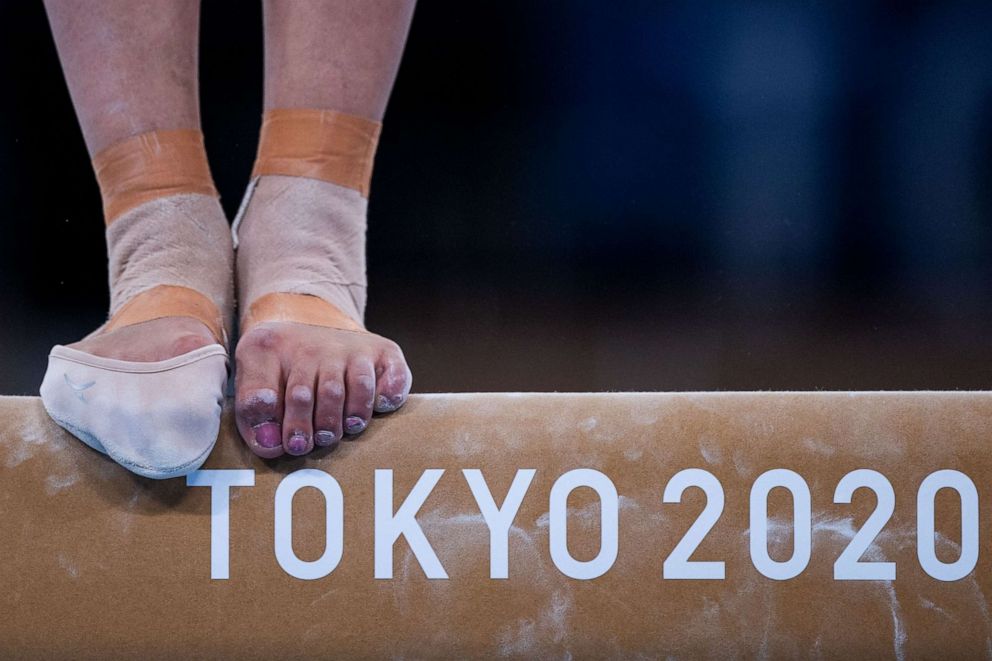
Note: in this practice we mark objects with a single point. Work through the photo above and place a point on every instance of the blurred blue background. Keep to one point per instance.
(589, 195)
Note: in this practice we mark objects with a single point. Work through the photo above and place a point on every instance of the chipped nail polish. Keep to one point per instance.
(268, 434)
(353, 424)
(324, 438)
(385, 404)
(297, 443)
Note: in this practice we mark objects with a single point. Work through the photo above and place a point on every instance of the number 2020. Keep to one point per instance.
(848, 566)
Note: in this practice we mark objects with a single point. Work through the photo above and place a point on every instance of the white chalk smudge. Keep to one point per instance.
(588, 513)
(818, 447)
(710, 450)
(929, 605)
(68, 566)
(843, 529)
(436, 520)
(461, 540)
(645, 418)
(125, 516)
(898, 630)
(823, 524)
(763, 651)
(28, 438)
(983, 606)
(322, 597)
(529, 634)
(741, 465)
(588, 424)
(453, 536)
(632, 454)
(56, 483)
(467, 445)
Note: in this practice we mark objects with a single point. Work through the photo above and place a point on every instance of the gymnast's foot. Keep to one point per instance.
(147, 388)
(300, 386)
(308, 373)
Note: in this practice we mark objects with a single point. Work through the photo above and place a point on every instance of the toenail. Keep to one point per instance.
(268, 434)
(298, 443)
(324, 438)
(387, 404)
(353, 424)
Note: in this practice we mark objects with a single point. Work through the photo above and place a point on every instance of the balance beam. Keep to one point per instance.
(695, 524)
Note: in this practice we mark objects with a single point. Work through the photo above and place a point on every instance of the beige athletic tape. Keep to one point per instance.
(149, 166)
(320, 144)
(322, 255)
(299, 308)
(310, 165)
(113, 565)
(170, 301)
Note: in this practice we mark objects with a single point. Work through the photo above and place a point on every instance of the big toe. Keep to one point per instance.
(259, 395)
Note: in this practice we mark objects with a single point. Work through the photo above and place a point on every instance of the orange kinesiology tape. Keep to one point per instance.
(149, 166)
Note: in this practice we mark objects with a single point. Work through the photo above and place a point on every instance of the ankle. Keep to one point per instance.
(165, 226)
(321, 253)
(313, 167)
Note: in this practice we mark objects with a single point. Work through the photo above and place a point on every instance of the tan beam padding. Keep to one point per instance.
(95, 561)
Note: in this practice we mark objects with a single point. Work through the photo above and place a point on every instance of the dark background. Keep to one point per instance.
(600, 195)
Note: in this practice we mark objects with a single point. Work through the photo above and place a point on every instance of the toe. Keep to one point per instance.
(297, 421)
(257, 409)
(360, 391)
(258, 403)
(393, 379)
(327, 416)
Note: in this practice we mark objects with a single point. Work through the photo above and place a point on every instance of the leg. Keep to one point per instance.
(131, 68)
(300, 384)
(147, 386)
(334, 54)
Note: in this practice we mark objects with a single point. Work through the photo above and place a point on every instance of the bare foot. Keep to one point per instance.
(299, 385)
